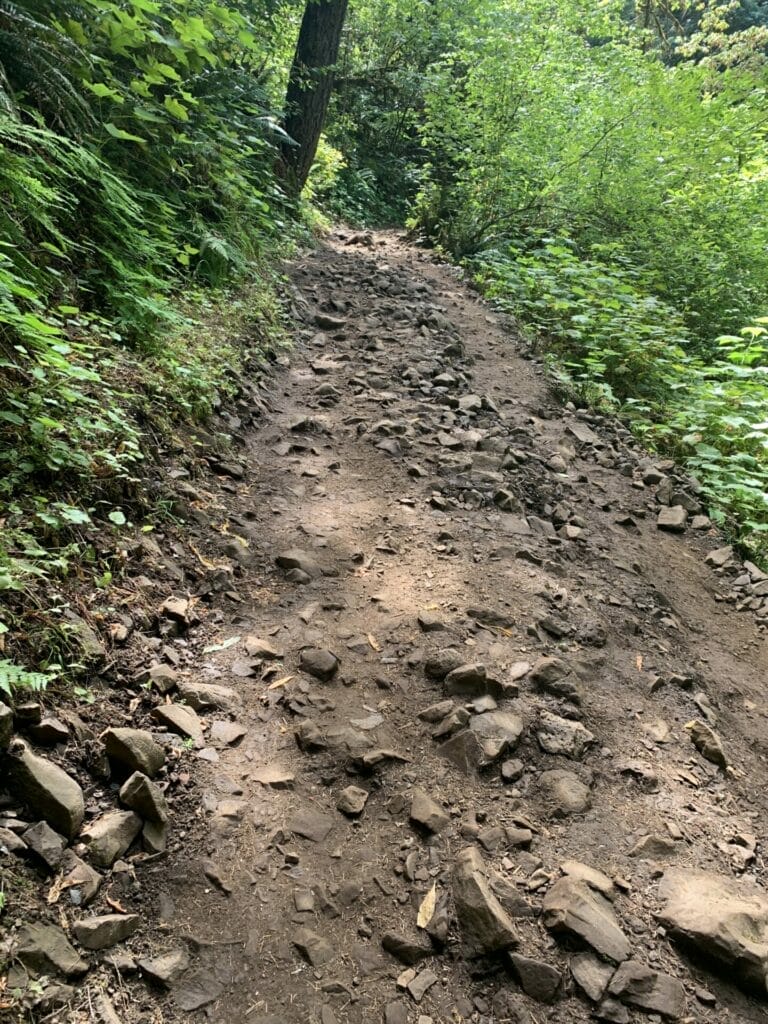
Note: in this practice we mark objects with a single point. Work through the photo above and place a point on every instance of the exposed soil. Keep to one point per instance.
(374, 467)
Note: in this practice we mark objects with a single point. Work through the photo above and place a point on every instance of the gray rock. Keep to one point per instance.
(595, 879)
(639, 985)
(437, 666)
(484, 924)
(49, 731)
(613, 1011)
(140, 794)
(564, 793)
(180, 719)
(672, 519)
(538, 980)
(727, 925)
(472, 680)
(81, 880)
(420, 985)
(563, 736)
(571, 906)
(154, 836)
(313, 947)
(298, 559)
(427, 813)
(463, 750)
(321, 664)
(653, 848)
(396, 1013)
(165, 969)
(550, 675)
(47, 790)
(135, 749)
(352, 801)
(708, 744)
(110, 836)
(407, 948)
(45, 949)
(207, 696)
(499, 732)
(47, 844)
(106, 930)
(11, 843)
(6, 726)
(310, 824)
(591, 975)
(197, 989)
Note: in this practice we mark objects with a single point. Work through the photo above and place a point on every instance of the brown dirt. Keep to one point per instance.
(637, 605)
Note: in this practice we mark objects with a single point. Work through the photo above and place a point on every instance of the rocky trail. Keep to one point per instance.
(450, 707)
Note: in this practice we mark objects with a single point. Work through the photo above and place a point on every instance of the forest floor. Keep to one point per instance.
(419, 503)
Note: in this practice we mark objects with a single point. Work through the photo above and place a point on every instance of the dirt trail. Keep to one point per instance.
(449, 512)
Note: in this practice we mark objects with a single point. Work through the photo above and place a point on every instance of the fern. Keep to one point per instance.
(13, 677)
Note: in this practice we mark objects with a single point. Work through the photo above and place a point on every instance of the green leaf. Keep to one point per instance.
(117, 517)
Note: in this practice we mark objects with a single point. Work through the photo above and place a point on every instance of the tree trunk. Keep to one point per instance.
(309, 86)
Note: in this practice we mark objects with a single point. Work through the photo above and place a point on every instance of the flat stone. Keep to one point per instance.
(197, 989)
(564, 793)
(591, 975)
(595, 879)
(47, 790)
(274, 777)
(571, 906)
(463, 750)
(47, 844)
(207, 696)
(321, 664)
(311, 824)
(257, 647)
(45, 949)
(313, 947)
(472, 680)
(638, 985)
(672, 519)
(110, 836)
(708, 744)
(421, 984)
(537, 979)
(165, 969)
(396, 1013)
(106, 930)
(49, 731)
(297, 558)
(499, 733)
(352, 801)
(484, 924)
(720, 556)
(563, 736)
(140, 794)
(227, 734)
(427, 813)
(407, 948)
(653, 848)
(725, 923)
(81, 880)
(135, 749)
(179, 719)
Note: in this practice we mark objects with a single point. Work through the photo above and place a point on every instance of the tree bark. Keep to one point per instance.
(309, 87)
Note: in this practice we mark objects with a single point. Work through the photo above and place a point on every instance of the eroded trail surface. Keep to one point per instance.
(457, 778)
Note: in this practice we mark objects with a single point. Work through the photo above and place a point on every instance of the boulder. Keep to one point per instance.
(564, 793)
(313, 947)
(591, 975)
(726, 925)
(47, 844)
(321, 664)
(135, 749)
(484, 924)
(537, 979)
(571, 906)
(426, 813)
(47, 790)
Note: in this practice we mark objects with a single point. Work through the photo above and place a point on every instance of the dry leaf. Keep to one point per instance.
(427, 908)
(374, 642)
(117, 906)
(280, 682)
(639, 662)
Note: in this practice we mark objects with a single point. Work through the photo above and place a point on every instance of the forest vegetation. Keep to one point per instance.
(599, 169)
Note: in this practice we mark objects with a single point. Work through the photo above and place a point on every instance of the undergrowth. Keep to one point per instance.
(620, 348)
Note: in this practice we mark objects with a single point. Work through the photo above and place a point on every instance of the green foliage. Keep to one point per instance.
(13, 678)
